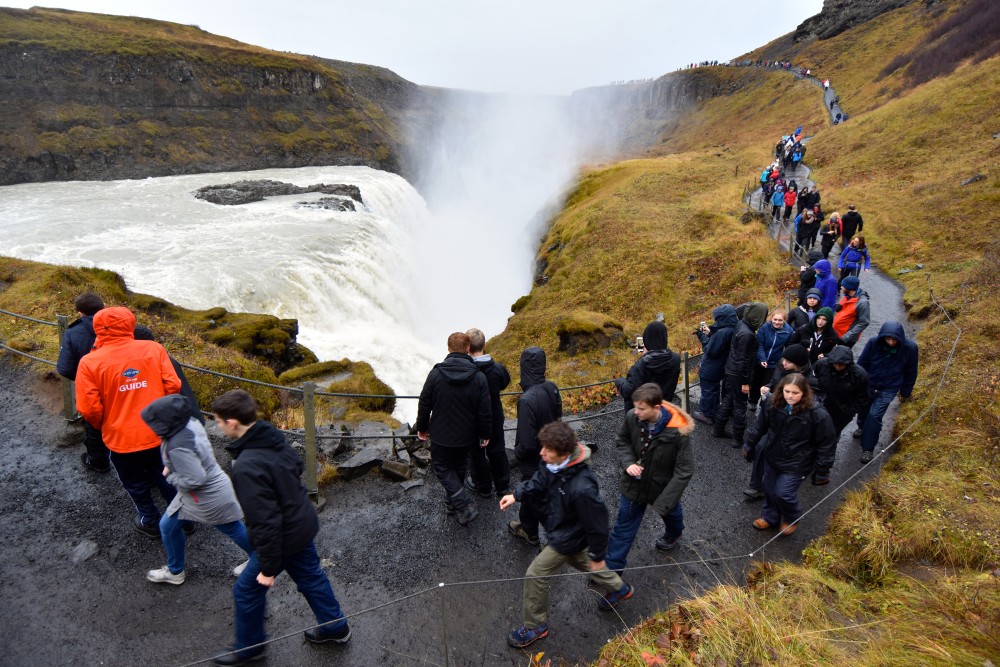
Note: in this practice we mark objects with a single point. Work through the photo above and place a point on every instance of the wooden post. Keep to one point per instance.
(309, 415)
(685, 383)
(68, 391)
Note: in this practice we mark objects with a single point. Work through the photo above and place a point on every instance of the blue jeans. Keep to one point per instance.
(627, 527)
(172, 533)
(781, 495)
(250, 597)
(870, 419)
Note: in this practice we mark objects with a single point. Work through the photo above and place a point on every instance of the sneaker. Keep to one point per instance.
(238, 570)
(517, 530)
(91, 464)
(468, 515)
(753, 494)
(163, 575)
(326, 635)
(667, 543)
(857, 434)
(233, 657)
(866, 456)
(608, 602)
(700, 416)
(152, 532)
(522, 636)
(470, 485)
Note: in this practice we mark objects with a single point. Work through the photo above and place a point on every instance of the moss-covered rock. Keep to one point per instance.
(584, 330)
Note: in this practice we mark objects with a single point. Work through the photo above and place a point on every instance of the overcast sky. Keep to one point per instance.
(536, 46)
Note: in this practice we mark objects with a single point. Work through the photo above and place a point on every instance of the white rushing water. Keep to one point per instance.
(343, 275)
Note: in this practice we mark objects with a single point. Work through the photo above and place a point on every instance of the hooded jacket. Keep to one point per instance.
(846, 392)
(77, 341)
(771, 342)
(659, 364)
(266, 475)
(852, 258)
(574, 516)
(497, 379)
(853, 316)
(540, 404)
(817, 341)
(204, 492)
(802, 313)
(807, 277)
(826, 283)
(454, 405)
(715, 344)
(667, 462)
(851, 223)
(891, 369)
(743, 352)
(798, 442)
(121, 377)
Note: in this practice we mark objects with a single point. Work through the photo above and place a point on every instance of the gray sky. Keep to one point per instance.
(524, 46)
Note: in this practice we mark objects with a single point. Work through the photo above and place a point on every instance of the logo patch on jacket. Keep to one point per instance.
(130, 373)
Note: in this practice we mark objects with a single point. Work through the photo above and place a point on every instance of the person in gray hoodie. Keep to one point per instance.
(204, 492)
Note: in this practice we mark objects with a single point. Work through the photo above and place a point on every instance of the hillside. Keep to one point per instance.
(907, 572)
(97, 97)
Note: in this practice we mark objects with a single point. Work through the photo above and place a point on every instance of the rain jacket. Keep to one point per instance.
(204, 492)
(771, 342)
(778, 198)
(266, 476)
(853, 316)
(667, 460)
(851, 223)
(497, 379)
(892, 369)
(715, 344)
(846, 393)
(540, 404)
(852, 258)
(826, 283)
(121, 377)
(454, 405)
(797, 443)
(77, 341)
(807, 277)
(659, 364)
(574, 516)
(742, 358)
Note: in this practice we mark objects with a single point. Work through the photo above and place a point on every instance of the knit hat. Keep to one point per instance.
(796, 354)
(851, 283)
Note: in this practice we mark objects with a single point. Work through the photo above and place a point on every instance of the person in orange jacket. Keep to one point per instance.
(113, 384)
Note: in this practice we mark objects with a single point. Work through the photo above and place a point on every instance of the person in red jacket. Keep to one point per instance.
(113, 384)
(790, 197)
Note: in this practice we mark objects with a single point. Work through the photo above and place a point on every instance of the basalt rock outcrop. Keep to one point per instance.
(840, 15)
(245, 192)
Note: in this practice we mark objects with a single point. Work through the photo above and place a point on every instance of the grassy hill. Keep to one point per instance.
(907, 573)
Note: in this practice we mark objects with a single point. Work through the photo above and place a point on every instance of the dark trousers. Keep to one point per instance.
(781, 495)
(141, 472)
(94, 443)
(489, 467)
(530, 513)
(734, 404)
(709, 403)
(450, 466)
(251, 598)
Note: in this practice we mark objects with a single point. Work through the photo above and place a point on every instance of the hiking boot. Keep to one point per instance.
(152, 532)
(471, 486)
(163, 575)
(517, 530)
(326, 635)
(787, 528)
(608, 602)
(857, 434)
(866, 456)
(753, 494)
(737, 438)
(238, 570)
(234, 657)
(468, 515)
(449, 509)
(522, 636)
(719, 431)
(700, 416)
(760, 524)
(667, 543)
(92, 464)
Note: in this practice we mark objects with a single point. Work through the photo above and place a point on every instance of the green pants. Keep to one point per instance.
(536, 591)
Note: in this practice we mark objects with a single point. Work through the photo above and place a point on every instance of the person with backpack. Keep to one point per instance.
(853, 312)
(854, 257)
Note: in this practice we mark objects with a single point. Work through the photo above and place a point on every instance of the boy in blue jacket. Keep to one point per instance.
(891, 362)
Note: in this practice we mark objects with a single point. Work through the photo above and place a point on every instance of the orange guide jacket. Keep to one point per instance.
(121, 377)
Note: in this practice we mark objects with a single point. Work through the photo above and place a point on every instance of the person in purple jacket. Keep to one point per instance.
(826, 284)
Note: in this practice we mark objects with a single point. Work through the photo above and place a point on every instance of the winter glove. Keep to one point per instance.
(821, 476)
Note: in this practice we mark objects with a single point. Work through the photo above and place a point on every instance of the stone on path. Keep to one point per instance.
(83, 551)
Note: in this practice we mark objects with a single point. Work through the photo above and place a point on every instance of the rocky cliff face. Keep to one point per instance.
(109, 110)
(840, 15)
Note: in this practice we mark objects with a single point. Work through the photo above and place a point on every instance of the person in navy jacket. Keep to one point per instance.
(891, 362)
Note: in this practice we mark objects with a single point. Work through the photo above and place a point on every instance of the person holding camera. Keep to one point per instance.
(715, 343)
(657, 363)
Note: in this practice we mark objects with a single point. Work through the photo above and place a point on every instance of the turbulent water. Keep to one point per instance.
(346, 276)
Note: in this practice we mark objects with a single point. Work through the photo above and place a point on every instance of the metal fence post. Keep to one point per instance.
(309, 415)
(69, 406)
(685, 383)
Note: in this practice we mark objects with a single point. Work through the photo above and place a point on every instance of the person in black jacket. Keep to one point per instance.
(851, 223)
(806, 310)
(489, 467)
(818, 336)
(78, 341)
(740, 367)
(454, 413)
(576, 522)
(844, 385)
(802, 441)
(807, 275)
(716, 341)
(282, 524)
(658, 364)
(539, 405)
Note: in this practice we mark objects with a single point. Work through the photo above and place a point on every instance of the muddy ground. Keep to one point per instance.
(380, 543)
